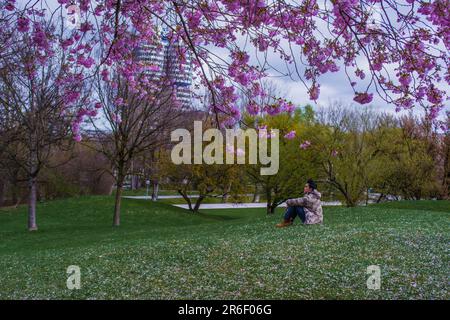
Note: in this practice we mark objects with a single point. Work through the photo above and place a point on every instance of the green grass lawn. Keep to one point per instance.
(162, 252)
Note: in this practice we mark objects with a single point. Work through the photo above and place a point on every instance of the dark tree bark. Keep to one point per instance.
(256, 194)
(270, 208)
(380, 197)
(272, 203)
(117, 205)
(226, 194)
(186, 198)
(2, 192)
(14, 196)
(197, 203)
(118, 199)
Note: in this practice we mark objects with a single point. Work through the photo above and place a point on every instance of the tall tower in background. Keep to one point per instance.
(171, 59)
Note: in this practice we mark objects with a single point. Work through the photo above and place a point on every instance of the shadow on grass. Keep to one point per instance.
(217, 217)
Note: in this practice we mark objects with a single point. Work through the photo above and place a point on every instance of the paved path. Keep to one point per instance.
(223, 205)
(244, 205)
(159, 197)
(175, 196)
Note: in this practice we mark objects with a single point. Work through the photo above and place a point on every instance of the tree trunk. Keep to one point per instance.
(2, 192)
(155, 190)
(226, 194)
(350, 204)
(446, 175)
(133, 177)
(32, 226)
(15, 190)
(270, 208)
(32, 186)
(33, 170)
(186, 198)
(14, 197)
(269, 201)
(256, 194)
(225, 197)
(118, 202)
(133, 182)
(138, 182)
(348, 200)
(197, 203)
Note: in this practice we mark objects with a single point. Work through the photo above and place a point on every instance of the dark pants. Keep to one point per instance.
(292, 212)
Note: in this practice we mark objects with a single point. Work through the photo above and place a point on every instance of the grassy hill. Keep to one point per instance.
(163, 252)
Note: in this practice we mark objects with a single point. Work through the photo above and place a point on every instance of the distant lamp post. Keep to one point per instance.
(147, 182)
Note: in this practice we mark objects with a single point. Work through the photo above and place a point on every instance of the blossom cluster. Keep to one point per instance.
(413, 39)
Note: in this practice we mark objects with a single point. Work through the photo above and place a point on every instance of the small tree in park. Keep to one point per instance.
(294, 157)
(344, 152)
(42, 94)
(409, 163)
(208, 179)
(137, 120)
(216, 180)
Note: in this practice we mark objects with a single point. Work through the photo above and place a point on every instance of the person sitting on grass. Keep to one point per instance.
(308, 208)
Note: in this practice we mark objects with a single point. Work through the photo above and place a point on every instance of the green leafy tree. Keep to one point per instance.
(343, 152)
(295, 165)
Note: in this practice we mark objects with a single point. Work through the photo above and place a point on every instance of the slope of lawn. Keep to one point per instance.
(162, 252)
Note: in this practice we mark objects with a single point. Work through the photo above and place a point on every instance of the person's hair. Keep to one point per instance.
(311, 184)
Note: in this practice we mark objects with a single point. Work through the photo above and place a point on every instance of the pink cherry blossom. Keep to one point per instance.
(10, 6)
(417, 51)
(314, 92)
(363, 98)
(263, 132)
(105, 75)
(290, 135)
(305, 145)
(23, 24)
(405, 79)
(252, 108)
(272, 109)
